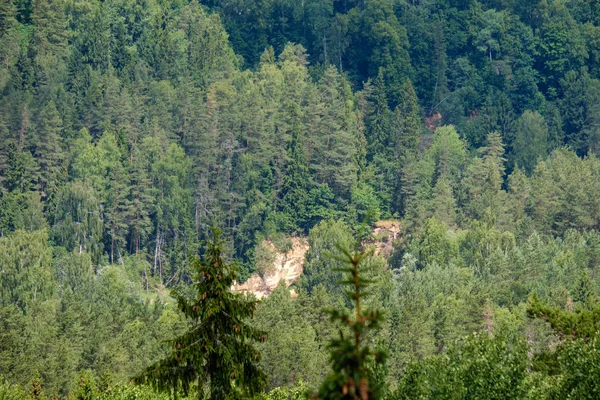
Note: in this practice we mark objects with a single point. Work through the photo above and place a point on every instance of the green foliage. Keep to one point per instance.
(578, 361)
(575, 361)
(531, 141)
(481, 367)
(296, 392)
(352, 357)
(318, 268)
(582, 324)
(128, 128)
(26, 273)
(216, 353)
(10, 392)
(294, 351)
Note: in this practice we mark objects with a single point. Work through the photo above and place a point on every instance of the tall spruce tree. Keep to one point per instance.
(20, 171)
(334, 156)
(48, 150)
(377, 119)
(217, 352)
(407, 123)
(50, 34)
(531, 141)
(353, 360)
(141, 200)
(406, 126)
(294, 192)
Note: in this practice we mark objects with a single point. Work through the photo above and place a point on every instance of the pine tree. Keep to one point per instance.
(483, 194)
(216, 352)
(353, 376)
(444, 204)
(493, 159)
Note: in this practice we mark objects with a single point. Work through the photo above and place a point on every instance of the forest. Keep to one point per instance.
(144, 142)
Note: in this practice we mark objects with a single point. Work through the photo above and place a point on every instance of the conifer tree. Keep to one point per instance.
(20, 170)
(216, 353)
(335, 141)
(406, 128)
(581, 323)
(444, 204)
(352, 358)
(141, 200)
(48, 149)
(50, 35)
(493, 159)
(531, 141)
(294, 192)
(7, 17)
(378, 119)
(407, 124)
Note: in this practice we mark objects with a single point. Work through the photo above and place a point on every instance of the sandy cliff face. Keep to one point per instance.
(384, 234)
(288, 266)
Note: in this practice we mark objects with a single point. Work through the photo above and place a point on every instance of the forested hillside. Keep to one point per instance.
(128, 128)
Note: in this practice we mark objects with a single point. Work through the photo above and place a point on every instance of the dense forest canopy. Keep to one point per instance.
(129, 127)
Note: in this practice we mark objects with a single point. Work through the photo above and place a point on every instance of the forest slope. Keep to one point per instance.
(129, 128)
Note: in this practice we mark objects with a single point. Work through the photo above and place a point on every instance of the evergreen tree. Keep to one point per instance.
(531, 141)
(444, 204)
(140, 200)
(354, 362)
(580, 111)
(216, 353)
(50, 35)
(335, 138)
(21, 170)
(377, 119)
(406, 127)
(582, 323)
(407, 123)
(7, 17)
(383, 43)
(294, 192)
(483, 182)
(48, 150)
(78, 225)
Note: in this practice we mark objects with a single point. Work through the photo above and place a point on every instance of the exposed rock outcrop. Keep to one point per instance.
(384, 234)
(287, 267)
